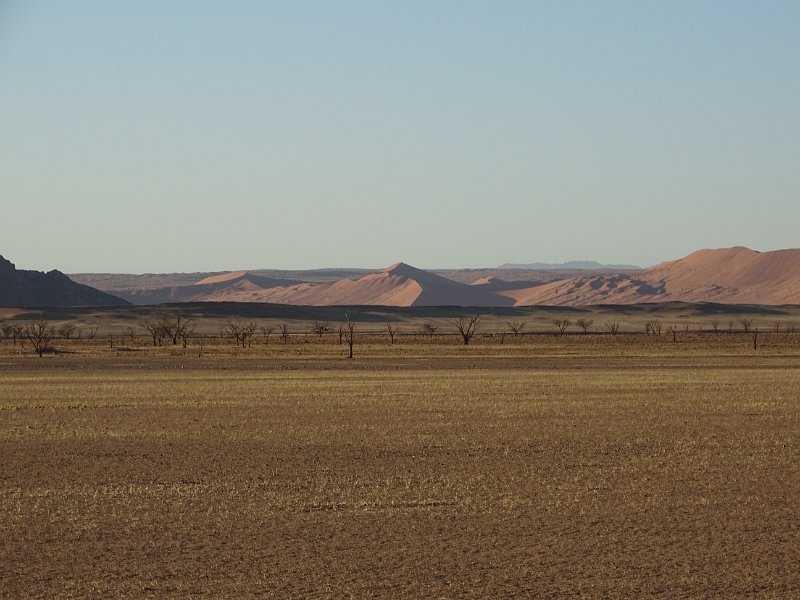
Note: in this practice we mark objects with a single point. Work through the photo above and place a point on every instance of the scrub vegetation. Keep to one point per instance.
(533, 463)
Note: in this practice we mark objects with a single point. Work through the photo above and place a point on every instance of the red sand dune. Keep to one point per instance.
(728, 275)
(399, 285)
(224, 278)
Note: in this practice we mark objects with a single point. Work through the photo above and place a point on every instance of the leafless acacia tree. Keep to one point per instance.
(754, 335)
(516, 327)
(12, 332)
(186, 331)
(153, 328)
(233, 329)
(561, 325)
(613, 327)
(467, 327)
(320, 328)
(584, 324)
(392, 331)
(673, 329)
(428, 329)
(350, 331)
(242, 333)
(66, 330)
(653, 327)
(39, 333)
(176, 327)
(746, 323)
(283, 328)
(715, 326)
(266, 331)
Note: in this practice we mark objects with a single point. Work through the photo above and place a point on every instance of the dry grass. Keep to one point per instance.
(584, 466)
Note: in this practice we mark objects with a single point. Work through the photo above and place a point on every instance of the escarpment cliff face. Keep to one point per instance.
(19, 287)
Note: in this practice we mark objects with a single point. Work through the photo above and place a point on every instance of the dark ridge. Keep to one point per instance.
(23, 288)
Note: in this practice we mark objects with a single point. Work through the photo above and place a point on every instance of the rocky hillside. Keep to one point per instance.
(37, 289)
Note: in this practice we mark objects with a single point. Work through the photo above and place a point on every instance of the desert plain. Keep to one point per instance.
(582, 465)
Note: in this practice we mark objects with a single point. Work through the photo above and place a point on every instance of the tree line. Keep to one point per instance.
(176, 329)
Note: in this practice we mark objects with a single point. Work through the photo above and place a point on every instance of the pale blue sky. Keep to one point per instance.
(185, 135)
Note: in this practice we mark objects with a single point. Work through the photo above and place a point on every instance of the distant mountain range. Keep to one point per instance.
(582, 265)
(729, 275)
(36, 289)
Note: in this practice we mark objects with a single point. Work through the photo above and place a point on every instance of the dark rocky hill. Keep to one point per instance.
(19, 287)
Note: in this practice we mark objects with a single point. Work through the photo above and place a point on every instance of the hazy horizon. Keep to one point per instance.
(207, 136)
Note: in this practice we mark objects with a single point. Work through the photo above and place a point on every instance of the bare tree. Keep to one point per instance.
(466, 327)
(653, 327)
(613, 327)
(715, 326)
(584, 324)
(673, 329)
(428, 329)
(242, 333)
(754, 335)
(66, 330)
(283, 328)
(746, 323)
(91, 331)
(169, 328)
(185, 332)
(392, 331)
(561, 325)
(233, 329)
(12, 332)
(39, 333)
(350, 331)
(153, 328)
(266, 331)
(730, 327)
(320, 328)
(175, 327)
(516, 327)
(248, 331)
(777, 327)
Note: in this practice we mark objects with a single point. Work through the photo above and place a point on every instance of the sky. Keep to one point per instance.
(188, 135)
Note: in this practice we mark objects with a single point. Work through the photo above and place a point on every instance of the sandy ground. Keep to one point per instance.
(557, 468)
